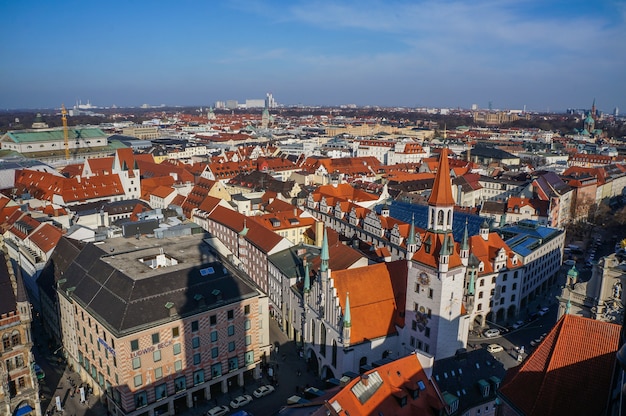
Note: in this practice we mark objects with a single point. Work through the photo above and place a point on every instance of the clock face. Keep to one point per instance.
(423, 279)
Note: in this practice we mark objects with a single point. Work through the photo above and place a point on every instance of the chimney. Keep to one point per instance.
(365, 379)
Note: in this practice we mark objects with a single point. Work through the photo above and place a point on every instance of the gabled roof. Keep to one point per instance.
(340, 256)
(45, 186)
(264, 239)
(380, 391)
(375, 313)
(436, 242)
(46, 237)
(487, 250)
(569, 373)
(346, 192)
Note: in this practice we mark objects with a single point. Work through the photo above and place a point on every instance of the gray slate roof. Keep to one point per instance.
(111, 282)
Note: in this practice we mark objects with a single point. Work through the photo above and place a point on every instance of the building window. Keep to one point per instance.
(178, 365)
(246, 310)
(233, 364)
(417, 288)
(140, 399)
(155, 338)
(180, 384)
(197, 358)
(176, 348)
(482, 282)
(213, 336)
(138, 380)
(247, 325)
(134, 345)
(194, 326)
(215, 352)
(430, 293)
(248, 340)
(249, 357)
(231, 330)
(231, 346)
(160, 391)
(480, 295)
(156, 356)
(136, 363)
(213, 319)
(230, 314)
(216, 370)
(195, 342)
(198, 377)
(427, 332)
(158, 373)
(175, 332)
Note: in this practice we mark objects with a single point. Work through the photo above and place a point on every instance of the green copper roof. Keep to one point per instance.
(30, 136)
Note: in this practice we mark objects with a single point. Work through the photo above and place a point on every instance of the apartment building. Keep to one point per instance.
(156, 326)
(19, 390)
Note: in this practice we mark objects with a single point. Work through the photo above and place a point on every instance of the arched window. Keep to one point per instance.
(432, 217)
(449, 218)
(440, 218)
(312, 332)
(362, 363)
(15, 338)
(334, 357)
(6, 341)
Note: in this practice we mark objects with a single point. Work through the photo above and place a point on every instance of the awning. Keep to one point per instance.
(24, 410)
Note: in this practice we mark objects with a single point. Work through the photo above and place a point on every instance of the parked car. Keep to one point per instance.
(517, 325)
(492, 333)
(39, 372)
(494, 348)
(240, 401)
(263, 391)
(218, 411)
(543, 311)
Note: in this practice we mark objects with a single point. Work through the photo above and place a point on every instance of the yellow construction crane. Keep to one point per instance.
(66, 135)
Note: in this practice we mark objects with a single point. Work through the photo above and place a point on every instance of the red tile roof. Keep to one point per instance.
(390, 383)
(45, 186)
(264, 239)
(374, 313)
(442, 189)
(46, 237)
(341, 256)
(569, 373)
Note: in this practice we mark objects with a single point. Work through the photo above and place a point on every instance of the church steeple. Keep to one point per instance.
(441, 202)
(324, 256)
(347, 322)
(307, 278)
(411, 241)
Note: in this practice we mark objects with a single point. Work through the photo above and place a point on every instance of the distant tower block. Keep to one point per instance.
(490, 106)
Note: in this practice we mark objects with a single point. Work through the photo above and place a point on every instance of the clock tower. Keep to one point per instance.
(435, 320)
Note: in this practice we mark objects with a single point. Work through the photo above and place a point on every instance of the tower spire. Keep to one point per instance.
(347, 322)
(324, 256)
(307, 277)
(441, 194)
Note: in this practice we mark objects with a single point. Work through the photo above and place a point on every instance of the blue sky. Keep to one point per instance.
(547, 55)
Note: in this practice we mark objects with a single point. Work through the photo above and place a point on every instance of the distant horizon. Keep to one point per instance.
(205, 107)
(547, 55)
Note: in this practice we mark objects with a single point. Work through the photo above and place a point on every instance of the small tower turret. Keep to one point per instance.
(347, 322)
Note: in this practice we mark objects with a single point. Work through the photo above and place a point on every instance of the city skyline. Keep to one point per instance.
(514, 53)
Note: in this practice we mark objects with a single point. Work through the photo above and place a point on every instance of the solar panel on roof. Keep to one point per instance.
(405, 212)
